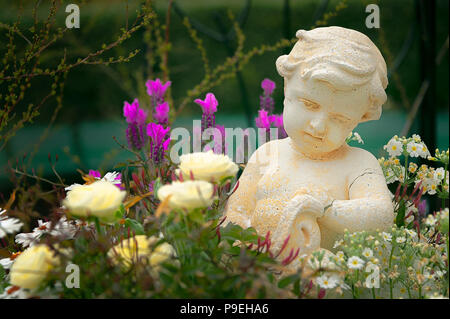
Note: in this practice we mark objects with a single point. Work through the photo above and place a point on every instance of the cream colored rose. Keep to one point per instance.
(188, 195)
(141, 248)
(32, 266)
(100, 199)
(207, 166)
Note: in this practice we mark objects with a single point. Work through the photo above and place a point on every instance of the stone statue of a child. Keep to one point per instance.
(312, 185)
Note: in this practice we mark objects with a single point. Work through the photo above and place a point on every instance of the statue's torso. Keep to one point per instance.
(288, 173)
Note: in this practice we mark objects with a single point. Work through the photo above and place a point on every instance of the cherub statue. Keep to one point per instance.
(312, 185)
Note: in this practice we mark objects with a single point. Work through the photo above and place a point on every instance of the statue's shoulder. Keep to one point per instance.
(362, 158)
(268, 151)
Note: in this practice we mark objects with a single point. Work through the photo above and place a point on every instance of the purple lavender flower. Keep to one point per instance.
(161, 114)
(157, 90)
(277, 121)
(159, 141)
(133, 113)
(263, 121)
(266, 101)
(94, 173)
(135, 117)
(209, 107)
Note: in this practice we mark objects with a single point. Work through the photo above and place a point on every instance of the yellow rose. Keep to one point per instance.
(188, 195)
(140, 248)
(100, 199)
(32, 266)
(207, 166)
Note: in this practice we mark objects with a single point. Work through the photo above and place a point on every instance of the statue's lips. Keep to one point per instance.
(312, 137)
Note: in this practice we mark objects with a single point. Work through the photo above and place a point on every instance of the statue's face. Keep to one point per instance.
(317, 117)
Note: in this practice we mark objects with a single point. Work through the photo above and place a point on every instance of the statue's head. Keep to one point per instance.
(334, 79)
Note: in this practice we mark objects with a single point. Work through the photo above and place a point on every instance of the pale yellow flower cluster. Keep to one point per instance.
(207, 166)
(141, 249)
(100, 199)
(32, 266)
(204, 168)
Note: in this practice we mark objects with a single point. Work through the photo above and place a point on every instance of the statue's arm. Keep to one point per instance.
(369, 206)
(241, 204)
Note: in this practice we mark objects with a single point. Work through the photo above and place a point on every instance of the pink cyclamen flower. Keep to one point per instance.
(156, 89)
(209, 107)
(161, 114)
(262, 121)
(159, 141)
(133, 113)
(268, 86)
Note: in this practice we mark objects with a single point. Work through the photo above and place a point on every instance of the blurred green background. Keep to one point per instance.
(93, 96)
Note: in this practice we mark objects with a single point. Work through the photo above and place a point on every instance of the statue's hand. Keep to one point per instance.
(305, 205)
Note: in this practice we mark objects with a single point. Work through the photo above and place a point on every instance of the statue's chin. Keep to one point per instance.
(315, 149)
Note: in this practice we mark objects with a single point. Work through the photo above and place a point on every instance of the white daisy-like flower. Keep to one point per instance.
(367, 252)
(386, 236)
(394, 147)
(6, 263)
(355, 262)
(328, 282)
(413, 149)
(63, 228)
(14, 292)
(439, 273)
(400, 240)
(8, 225)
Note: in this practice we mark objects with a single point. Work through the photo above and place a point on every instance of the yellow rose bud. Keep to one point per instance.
(101, 199)
(32, 266)
(207, 166)
(187, 195)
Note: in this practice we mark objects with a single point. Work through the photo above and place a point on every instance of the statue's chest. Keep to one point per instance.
(282, 179)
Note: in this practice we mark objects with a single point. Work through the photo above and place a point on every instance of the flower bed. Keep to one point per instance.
(156, 229)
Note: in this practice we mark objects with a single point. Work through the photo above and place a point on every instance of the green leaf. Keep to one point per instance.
(400, 219)
(287, 280)
(135, 225)
(156, 187)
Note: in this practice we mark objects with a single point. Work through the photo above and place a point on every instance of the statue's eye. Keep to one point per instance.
(341, 119)
(309, 104)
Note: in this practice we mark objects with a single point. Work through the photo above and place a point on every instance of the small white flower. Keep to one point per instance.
(430, 220)
(338, 243)
(358, 138)
(423, 151)
(409, 219)
(13, 292)
(63, 228)
(386, 236)
(355, 262)
(367, 252)
(400, 240)
(6, 263)
(414, 149)
(8, 225)
(394, 147)
(439, 173)
(411, 233)
(328, 282)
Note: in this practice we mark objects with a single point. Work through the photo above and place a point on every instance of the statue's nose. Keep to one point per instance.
(318, 126)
